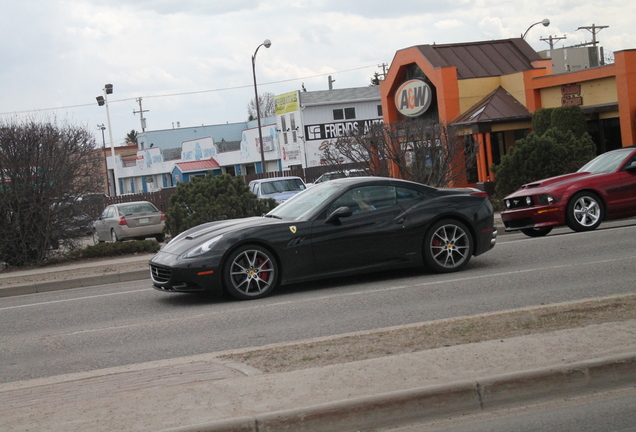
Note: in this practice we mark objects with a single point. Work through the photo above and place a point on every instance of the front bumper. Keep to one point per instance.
(533, 217)
(169, 273)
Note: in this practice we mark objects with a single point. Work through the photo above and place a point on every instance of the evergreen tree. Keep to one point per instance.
(561, 148)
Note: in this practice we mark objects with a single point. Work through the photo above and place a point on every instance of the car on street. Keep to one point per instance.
(132, 220)
(336, 228)
(278, 188)
(604, 188)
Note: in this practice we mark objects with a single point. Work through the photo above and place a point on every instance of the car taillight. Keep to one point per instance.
(122, 221)
(483, 194)
(163, 216)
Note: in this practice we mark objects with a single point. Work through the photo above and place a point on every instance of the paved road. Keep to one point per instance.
(84, 329)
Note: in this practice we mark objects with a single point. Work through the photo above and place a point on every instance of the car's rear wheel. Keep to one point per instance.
(250, 272)
(536, 232)
(448, 246)
(113, 236)
(585, 212)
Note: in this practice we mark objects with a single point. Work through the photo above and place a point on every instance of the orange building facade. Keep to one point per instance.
(490, 89)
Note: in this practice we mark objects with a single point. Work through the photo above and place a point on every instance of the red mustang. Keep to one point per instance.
(605, 188)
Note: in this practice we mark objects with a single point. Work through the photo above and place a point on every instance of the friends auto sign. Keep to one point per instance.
(413, 98)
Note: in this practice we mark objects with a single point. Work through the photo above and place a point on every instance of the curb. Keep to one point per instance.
(40, 287)
(428, 403)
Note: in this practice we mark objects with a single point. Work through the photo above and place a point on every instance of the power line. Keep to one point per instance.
(187, 93)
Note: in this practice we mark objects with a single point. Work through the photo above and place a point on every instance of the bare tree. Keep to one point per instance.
(424, 151)
(266, 105)
(44, 168)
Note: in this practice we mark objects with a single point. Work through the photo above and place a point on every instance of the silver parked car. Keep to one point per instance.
(131, 220)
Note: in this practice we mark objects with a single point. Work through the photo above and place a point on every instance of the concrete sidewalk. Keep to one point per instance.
(75, 275)
(206, 393)
(215, 395)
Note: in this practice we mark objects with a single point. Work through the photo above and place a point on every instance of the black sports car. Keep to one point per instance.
(336, 228)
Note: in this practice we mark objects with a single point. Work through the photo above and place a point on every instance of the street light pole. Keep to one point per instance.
(267, 43)
(103, 128)
(545, 22)
(103, 100)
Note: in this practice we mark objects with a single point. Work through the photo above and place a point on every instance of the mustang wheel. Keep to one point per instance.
(585, 212)
(536, 232)
(448, 246)
(250, 272)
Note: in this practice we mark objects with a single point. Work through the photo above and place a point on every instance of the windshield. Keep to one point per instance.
(278, 186)
(606, 163)
(304, 203)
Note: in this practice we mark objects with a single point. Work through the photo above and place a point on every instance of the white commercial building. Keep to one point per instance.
(306, 123)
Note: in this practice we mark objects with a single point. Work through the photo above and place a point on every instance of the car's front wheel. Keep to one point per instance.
(536, 232)
(448, 246)
(250, 272)
(96, 239)
(585, 212)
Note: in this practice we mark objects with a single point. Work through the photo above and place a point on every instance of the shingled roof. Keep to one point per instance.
(171, 154)
(482, 59)
(497, 106)
(347, 95)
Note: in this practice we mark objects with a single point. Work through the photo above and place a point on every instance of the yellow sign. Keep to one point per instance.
(292, 229)
(287, 102)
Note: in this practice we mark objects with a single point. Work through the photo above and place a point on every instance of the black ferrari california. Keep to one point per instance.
(336, 228)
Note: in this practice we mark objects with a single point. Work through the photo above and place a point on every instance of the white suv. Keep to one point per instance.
(279, 188)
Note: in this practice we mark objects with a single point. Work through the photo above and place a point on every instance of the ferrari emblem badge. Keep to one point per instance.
(292, 229)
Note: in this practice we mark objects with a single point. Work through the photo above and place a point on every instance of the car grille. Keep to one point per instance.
(160, 274)
(515, 203)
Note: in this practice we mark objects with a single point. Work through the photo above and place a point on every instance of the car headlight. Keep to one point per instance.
(507, 203)
(546, 199)
(528, 200)
(203, 248)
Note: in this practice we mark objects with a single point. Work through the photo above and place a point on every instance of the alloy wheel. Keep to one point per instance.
(251, 273)
(586, 211)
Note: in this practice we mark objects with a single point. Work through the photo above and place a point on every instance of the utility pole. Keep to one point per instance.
(593, 29)
(141, 115)
(383, 66)
(552, 40)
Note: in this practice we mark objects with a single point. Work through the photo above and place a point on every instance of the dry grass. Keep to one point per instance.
(437, 334)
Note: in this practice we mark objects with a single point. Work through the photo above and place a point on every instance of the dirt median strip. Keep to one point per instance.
(437, 334)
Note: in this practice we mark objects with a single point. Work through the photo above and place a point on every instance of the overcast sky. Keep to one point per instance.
(190, 60)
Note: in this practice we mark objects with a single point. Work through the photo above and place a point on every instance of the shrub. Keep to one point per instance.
(103, 250)
(210, 199)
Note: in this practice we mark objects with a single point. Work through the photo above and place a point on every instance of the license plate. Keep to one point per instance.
(144, 220)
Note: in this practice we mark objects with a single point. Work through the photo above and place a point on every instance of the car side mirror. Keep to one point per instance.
(338, 213)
